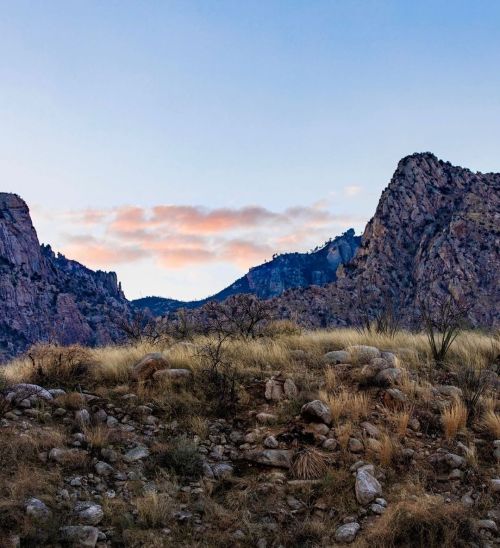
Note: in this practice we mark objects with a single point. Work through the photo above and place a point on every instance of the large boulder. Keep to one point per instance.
(316, 411)
(280, 458)
(362, 353)
(21, 391)
(80, 535)
(367, 487)
(148, 365)
(171, 374)
(337, 356)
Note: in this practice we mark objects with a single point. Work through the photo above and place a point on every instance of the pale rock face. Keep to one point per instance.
(434, 233)
(43, 296)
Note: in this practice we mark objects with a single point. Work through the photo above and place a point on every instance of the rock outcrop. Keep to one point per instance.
(436, 232)
(47, 297)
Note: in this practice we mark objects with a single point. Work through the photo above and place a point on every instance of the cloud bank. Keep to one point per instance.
(177, 237)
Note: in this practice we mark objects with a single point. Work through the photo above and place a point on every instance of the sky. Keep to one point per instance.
(181, 142)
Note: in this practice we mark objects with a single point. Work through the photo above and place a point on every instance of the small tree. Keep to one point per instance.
(442, 321)
(142, 327)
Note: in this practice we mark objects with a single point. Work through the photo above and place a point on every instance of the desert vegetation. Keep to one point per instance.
(248, 432)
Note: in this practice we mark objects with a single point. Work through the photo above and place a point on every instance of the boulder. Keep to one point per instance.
(280, 458)
(21, 391)
(135, 454)
(148, 365)
(316, 411)
(367, 487)
(337, 356)
(172, 374)
(390, 358)
(290, 389)
(80, 535)
(88, 512)
(388, 377)
(274, 390)
(362, 353)
(347, 533)
(37, 510)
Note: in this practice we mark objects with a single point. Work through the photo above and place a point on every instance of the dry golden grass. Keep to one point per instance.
(386, 450)
(490, 422)
(352, 405)
(344, 433)
(71, 400)
(454, 419)
(154, 510)
(400, 420)
(198, 425)
(331, 379)
(423, 521)
(97, 436)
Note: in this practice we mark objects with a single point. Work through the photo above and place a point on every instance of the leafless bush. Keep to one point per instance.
(240, 315)
(376, 312)
(142, 327)
(442, 321)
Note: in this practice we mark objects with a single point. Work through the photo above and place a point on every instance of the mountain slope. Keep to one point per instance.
(47, 297)
(435, 232)
(271, 279)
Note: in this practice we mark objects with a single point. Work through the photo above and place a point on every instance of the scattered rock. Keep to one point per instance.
(37, 510)
(89, 513)
(316, 411)
(173, 374)
(135, 454)
(367, 487)
(274, 390)
(362, 353)
(271, 442)
(80, 535)
(281, 458)
(337, 356)
(290, 389)
(347, 533)
(148, 365)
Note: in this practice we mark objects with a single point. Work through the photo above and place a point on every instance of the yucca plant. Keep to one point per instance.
(310, 463)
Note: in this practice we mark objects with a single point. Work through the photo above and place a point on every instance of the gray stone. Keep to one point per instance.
(367, 487)
(281, 458)
(89, 513)
(173, 374)
(495, 485)
(290, 389)
(137, 453)
(24, 390)
(347, 533)
(82, 417)
(316, 411)
(37, 510)
(388, 377)
(274, 390)
(222, 470)
(103, 469)
(85, 536)
(337, 356)
(271, 442)
(355, 446)
(362, 353)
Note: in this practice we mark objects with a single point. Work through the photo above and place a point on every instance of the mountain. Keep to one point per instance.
(435, 232)
(285, 271)
(47, 297)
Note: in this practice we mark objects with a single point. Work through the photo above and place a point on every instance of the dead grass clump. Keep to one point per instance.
(386, 450)
(309, 463)
(154, 510)
(454, 419)
(491, 423)
(426, 521)
(97, 436)
(344, 433)
(198, 425)
(281, 328)
(352, 405)
(331, 379)
(400, 420)
(182, 457)
(71, 400)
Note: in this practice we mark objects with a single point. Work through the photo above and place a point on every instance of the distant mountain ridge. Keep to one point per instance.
(271, 279)
(44, 297)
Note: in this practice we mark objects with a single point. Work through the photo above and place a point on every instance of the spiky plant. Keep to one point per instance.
(309, 463)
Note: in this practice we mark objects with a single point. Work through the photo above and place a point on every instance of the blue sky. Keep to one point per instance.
(109, 110)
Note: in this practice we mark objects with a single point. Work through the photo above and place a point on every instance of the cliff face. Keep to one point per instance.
(47, 297)
(435, 232)
(286, 271)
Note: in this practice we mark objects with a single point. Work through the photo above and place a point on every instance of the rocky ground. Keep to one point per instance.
(345, 446)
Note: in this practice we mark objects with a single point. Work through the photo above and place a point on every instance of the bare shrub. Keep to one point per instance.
(473, 384)
(442, 322)
(141, 327)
